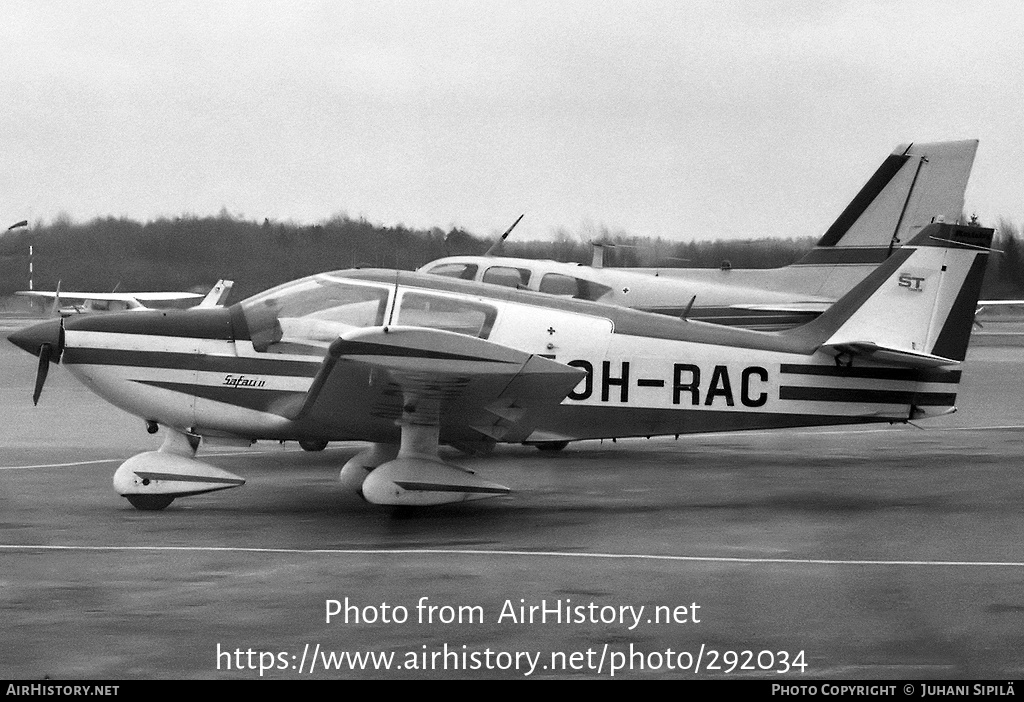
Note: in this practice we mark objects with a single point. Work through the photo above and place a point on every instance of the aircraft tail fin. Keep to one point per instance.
(917, 308)
(55, 307)
(218, 294)
(916, 185)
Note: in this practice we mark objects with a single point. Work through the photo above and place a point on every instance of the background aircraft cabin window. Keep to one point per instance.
(558, 284)
(311, 312)
(465, 271)
(447, 314)
(509, 277)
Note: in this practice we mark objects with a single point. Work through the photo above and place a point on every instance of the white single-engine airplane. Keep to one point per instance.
(124, 301)
(409, 361)
(916, 185)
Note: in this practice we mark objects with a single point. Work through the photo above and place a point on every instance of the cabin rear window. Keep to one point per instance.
(507, 276)
(447, 314)
(557, 284)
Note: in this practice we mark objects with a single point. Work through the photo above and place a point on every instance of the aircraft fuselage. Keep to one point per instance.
(643, 375)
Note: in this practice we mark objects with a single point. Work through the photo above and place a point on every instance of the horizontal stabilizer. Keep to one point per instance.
(902, 357)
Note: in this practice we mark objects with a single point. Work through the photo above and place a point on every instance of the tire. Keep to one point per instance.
(552, 445)
(313, 444)
(150, 503)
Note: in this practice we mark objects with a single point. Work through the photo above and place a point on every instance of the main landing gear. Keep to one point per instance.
(152, 480)
(413, 473)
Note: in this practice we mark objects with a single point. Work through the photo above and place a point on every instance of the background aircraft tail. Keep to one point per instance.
(218, 294)
(917, 308)
(916, 185)
(55, 307)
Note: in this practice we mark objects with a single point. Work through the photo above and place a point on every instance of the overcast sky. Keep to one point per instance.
(685, 120)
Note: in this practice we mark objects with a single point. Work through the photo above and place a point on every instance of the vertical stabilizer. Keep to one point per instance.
(916, 185)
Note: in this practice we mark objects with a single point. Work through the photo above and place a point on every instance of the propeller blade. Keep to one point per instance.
(44, 368)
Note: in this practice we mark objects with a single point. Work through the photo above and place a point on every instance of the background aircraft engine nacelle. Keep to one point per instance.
(152, 480)
(422, 482)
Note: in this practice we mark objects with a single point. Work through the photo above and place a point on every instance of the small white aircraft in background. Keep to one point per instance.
(123, 301)
(916, 185)
(409, 361)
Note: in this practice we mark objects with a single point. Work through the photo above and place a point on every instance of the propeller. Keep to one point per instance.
(45, 340)
(47, 352)
(41, 371)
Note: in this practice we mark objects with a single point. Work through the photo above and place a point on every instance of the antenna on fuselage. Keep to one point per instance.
(686, 312)
(501, 240)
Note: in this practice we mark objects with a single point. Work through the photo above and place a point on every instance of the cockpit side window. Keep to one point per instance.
(311, 313)
(447, 314)
(507, 276)
(464, 271)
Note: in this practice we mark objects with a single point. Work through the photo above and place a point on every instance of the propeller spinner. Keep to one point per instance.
(45, 340)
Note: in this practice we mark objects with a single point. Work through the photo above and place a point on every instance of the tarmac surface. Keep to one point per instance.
(879, 552)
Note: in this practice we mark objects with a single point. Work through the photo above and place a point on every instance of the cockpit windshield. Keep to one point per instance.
(306, 315)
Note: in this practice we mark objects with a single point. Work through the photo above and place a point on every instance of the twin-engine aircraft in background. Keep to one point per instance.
(916, 185)
(123, 301)
(409, 361)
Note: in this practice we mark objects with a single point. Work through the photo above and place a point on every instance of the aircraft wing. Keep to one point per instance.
(111, 296)
(469, 387)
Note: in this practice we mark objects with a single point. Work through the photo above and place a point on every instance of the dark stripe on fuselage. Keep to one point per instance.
(349, 349)
(888, 397)
(875, 185)
(261, 400)
(847, 256)
(239, 365)
(911, 374)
